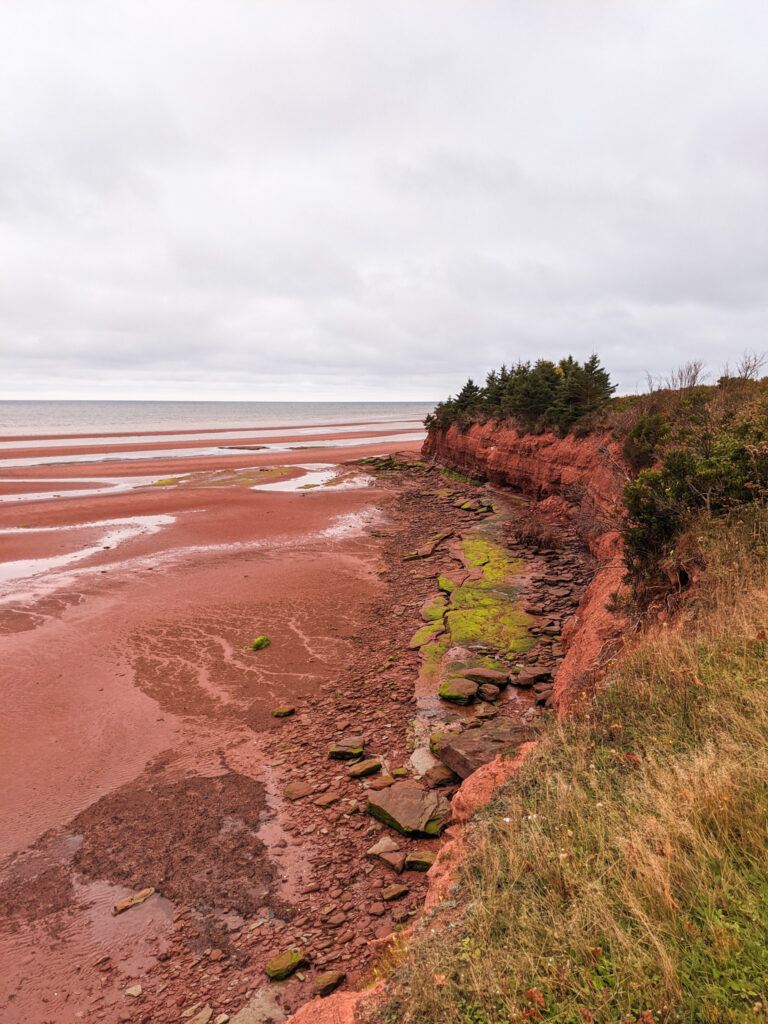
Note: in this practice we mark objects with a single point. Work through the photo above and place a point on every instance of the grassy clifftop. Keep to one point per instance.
(623, 874)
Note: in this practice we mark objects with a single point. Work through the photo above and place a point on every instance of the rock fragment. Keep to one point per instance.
(328, 982)
(285, 963)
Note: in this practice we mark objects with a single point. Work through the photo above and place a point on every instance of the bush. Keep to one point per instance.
(643, 440)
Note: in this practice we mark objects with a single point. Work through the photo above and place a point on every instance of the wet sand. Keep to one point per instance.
(138, 738)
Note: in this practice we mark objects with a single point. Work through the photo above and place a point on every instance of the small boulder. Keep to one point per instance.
(134, 991)
(458, 691)
(385, 845)
(328, 982)
(368, 767)
(347, 748)
(420, 860)
(286, 963)
(466, 752)
(488, 692)
(411, 810)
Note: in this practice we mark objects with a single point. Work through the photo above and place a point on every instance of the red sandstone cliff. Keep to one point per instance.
(580, 478)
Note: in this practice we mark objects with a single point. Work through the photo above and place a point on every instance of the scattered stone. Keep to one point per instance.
(385, 845)
(420, 860)
(260, 643)
(410, 809)
(328, 982)
(132, 901)
(394, 892)
(466, 752)
(400, 914)
(383, 782)
(363, 768)
(327, 799)
(377, 909)
(283, 712)
(204, 1016)
(347, 748)
(297, 790)
(285, 964)
(439, 775)
(134, 991)
(488, 692)
(223, 1018)
(395, 860)
(458, 691)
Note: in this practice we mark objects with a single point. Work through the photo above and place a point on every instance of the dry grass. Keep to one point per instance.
(625, 870)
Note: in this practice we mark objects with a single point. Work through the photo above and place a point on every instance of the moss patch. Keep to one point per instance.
(425, 634)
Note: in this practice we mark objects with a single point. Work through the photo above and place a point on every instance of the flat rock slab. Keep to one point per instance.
(458, 691)
(297, 790)
(485, 675)
(466, 752)
(532, 674)
(411, 810)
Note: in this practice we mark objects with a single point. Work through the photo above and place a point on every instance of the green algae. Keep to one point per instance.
(425, 634)
(446, 585)
(434, 611)
(432, 656)
(497, 564)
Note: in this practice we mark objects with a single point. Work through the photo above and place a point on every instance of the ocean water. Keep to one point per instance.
(36, 418)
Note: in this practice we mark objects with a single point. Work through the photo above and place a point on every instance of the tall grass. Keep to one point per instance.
(623, 875)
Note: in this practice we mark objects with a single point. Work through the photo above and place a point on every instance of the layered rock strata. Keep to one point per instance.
(580, 480)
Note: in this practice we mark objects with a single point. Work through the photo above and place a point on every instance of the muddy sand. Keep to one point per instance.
(140, 748)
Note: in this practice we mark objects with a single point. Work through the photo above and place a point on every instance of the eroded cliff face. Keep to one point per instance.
(578, 479)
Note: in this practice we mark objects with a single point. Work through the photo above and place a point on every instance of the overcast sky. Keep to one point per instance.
(277, 200)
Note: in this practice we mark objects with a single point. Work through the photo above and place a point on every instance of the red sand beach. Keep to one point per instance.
(137, 726)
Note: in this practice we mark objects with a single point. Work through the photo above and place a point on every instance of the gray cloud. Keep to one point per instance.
(276, 199)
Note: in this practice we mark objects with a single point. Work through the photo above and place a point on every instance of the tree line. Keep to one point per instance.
(539, 396)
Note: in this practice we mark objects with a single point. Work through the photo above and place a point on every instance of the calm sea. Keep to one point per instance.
(98, 418)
